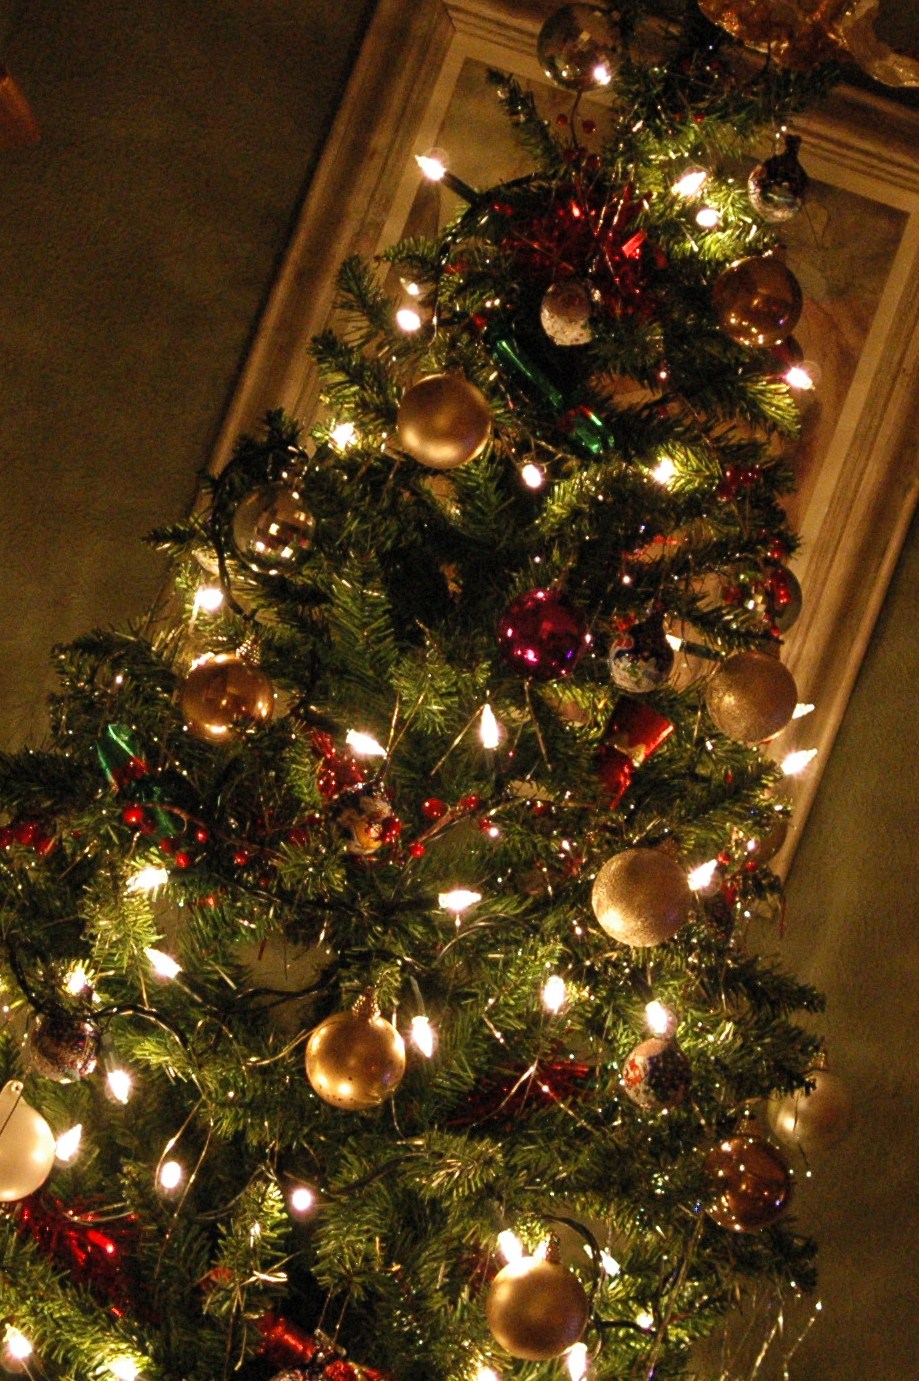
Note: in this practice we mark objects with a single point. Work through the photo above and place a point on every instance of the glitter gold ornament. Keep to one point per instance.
(63, 1047)
(641, 896)
(750, 1181)
(565, 313)
(355, 1060)
(577, 47)
(26, 1146)
(443, 421)
(656, 1074)
(225, 692)
(536, 1308)
(751, 696)
(757, 301)
(816, 1118)
(272, 528)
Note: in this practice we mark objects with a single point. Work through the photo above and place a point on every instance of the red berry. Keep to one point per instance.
(241, 857)
(433, 809)
(45, 845)
(298, 836)
(133, 815)
(589, 126)
(6, 837)
(168, 846)
(182, 859)
(391, 829)
(561, 120)
(201, 835)
(26, 832)
(470, 802)
(417, 849)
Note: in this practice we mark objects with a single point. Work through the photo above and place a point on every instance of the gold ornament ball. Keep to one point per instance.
(816, 1119)
(751, 1183)
(27, 1146)
(443, 421)
(751, 696)
(536, 1309)
(273, 528)
(757, 301)
(641, 897)
(764, 847)
(355, 1060)
(222, 693)
(577, 47)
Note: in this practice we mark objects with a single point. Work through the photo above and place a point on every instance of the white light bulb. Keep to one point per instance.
(423, 1037)
(799, 376)
(659, 1019)
(124, 1368)
(17, 1344)
(644, 1319)
(533, 476)
(609, 1263)
(458, 900)
(171, 1175)
(67, 1146)
(510, 1245)
(801, 709)
(602, 74)
(554, 993)
(576, 1361)
(486, 1373)
(795, 763)
(343, 435)
(364, 745)
(301, 1199)
(407, 319)
(432, 165)
(120, 1084)
(76, 980)
(690, 182)
(148, 879)
(209, 598)
(489, 728)
(707, 217)
(664, 471)
(699, 878)
(163, 965)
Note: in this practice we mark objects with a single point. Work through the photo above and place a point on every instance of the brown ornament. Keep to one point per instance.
(355, 1060)
(765, 845)
(816, 1119)
(222, 693)
(751, 1183)
(757, 301)
(536, 1309)
(751, 696)
(641, 897)
(443, 421)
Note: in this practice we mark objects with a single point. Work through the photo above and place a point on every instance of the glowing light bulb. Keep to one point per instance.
(576, 1361)
(664, 471)
(458, 900)
(690, 183)
(163, 965)
(209, 598)
(801, 709)
(700, 877)
(645, 1319)
(533, 476)
(800, 376)
(301, 1199)
(148, 879)
(413, 289)
(554, 993)
(510, 1245)
(432, 165)
(673, 641)
(609, 1263)
(76, 980)
(171, 1175)
(602, 74)
(707, 217)
(67, 1146)
(660, 1020)
(343, 435)
(407, 319)
(486, 1373)
(124, 1369)
(120, 1085)
(795, 763)
(17, 1344)
(489, 728)
(423, 1035)
(364, 745)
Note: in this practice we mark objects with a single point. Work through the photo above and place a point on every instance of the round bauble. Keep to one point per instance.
(364, 816)
(63, 1047)
(222, 693)
(757, 301)
(27, 1146)
(641, 897)
(777, 187)
(656, 1075)
(542, 635)
(443, 421)
(751, 696)
(783, 597)
(355, 1060)
(536, 1309)
(816, 1119)
(565, 313)
(577, 47)
(764, 846)
(272, 528)
(751, 1183)
(640, 658)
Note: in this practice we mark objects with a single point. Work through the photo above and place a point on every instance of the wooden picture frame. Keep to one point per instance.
(864, 490)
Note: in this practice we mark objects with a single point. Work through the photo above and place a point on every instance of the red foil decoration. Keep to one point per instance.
(512, 1092)
(286, 1344)
(635, 731)
(337, 771)
(96, 1251)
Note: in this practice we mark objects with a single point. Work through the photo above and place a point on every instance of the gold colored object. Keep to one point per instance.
(641, 897)
(443, 421)
(751, 1182)
(26, 1146)
(536, 1309)
(816, 1119)
(222, 693)
(765, 846)
(355, 1060)
(272, 528)
(757, 301)
(751, 696)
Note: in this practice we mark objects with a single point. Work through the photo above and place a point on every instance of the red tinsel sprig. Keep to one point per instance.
(313, 1355)
(514, 1092)
(97, 1250)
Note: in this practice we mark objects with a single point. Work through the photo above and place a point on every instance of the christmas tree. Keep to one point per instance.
(445, 773)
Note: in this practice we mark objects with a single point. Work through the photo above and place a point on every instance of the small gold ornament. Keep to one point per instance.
(751, 696)
(355, 1060)
(26, 1146)
(813, 1120)
(222, 693)
(751, 1183)
(757, 301)
(577, 47)
(273, 528)
(641, 897)
(443, 421)
(536, 1308)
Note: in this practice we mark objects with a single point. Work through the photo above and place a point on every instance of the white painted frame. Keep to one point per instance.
(868, 483)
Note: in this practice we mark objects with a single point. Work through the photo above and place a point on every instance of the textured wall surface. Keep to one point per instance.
(137, 243)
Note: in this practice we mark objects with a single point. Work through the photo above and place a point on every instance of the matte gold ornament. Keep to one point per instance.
(751, 1183)
(641, 897)
(536, 1308)
(225, 692)
(273, 528)
(751, 696)
(444, 421)
(355, 1060)
(27, 1146)
(816, 1119)
(757, 301)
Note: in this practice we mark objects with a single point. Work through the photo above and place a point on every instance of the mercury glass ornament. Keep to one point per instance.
(536, 1309)
(641, 896)
(577, 47)
(778, 186)
(27, 1146)
(640, 657)
(222, 693)
(757, 301)
(751, 696)
(63, 1047)
(656, 1074)
(566, 311)
(272, 528)
(444, 421)
(355, 1060)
